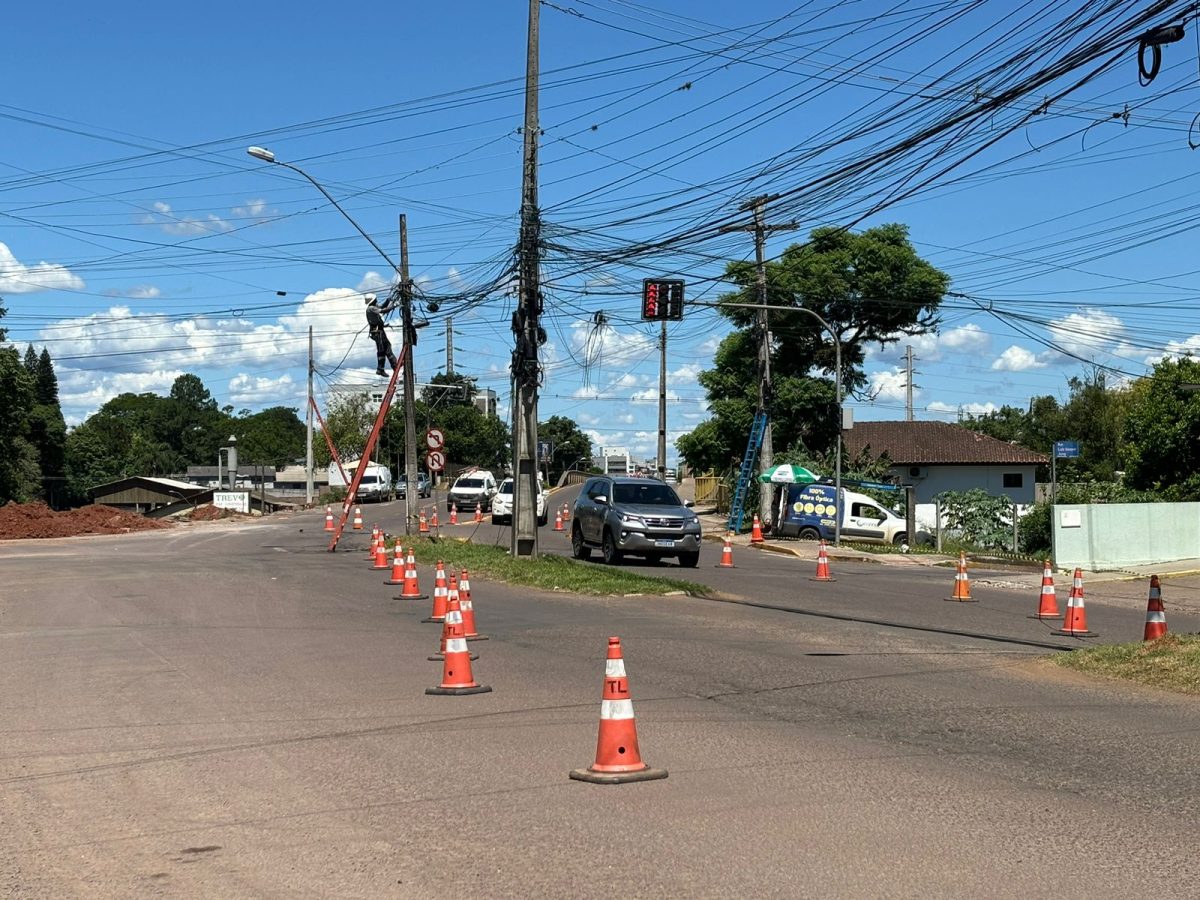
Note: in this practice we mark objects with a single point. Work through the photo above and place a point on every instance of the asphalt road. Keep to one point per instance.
(232, 711)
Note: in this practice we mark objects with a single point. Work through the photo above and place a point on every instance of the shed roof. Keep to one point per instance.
(935, 443)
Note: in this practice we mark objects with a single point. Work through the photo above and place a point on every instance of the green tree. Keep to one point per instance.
(569, 445)
(1161, 439)
(46, 431)
(348, 421)
(275, 436)
(20, 476)
(872, 288)
(472, 439)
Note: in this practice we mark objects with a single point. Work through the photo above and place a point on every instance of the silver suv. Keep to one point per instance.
(638, 516)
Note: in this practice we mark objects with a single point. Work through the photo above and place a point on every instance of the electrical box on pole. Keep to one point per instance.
(662, 299)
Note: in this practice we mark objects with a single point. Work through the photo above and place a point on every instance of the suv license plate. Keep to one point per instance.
(664, 543)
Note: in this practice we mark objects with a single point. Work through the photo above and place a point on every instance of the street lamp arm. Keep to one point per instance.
(268, 156)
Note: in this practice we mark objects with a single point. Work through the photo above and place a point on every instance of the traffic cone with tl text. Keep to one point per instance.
(823, 573)
(1075, 621)
(962, 584)
(756, 535)
(1048, 600)
(1156, 617)
(727, 554)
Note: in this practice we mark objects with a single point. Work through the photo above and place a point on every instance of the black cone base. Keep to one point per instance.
(646, 774)
(459, 691)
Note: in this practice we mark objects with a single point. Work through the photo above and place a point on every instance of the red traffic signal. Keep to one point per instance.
(662, 298)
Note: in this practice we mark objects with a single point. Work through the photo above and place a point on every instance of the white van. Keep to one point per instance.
(376, 483)
(811, 509)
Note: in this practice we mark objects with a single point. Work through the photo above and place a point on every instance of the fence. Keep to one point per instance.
(1101, 536)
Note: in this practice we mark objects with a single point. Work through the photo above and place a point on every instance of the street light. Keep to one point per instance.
(837, 389)
(410, 330)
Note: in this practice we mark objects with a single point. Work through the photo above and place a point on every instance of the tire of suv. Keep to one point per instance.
(542, 519)
(608, 549)
(579, 549)
(689, 560)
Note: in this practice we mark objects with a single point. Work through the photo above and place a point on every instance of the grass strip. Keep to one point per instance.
(1171, 663)
(550, 573)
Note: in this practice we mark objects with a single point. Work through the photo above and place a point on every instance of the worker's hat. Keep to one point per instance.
(368, 298)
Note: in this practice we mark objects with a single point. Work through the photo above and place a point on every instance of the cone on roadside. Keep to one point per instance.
(381, 560)
(358, 519)
(558, 525)
(962, 584)
(423, 528)
(456, 664)
(329, 518)
(618, 758)
(566, 512)
(478, 514)
(1048, 599)
(374, 542)
(453, 514)
(1075, 621)
(441, 600)
(727, 553)
(1156, 616)
(468, 608)
(756, 535)
(454, 615)
(412, 585)
(823, 573)
(397, 566)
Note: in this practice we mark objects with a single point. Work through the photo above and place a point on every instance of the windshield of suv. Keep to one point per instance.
(506, 487)
(652, 493)
(469, 483)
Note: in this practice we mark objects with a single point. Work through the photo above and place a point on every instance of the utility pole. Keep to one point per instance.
(308, 454)
(409, 382)
(450, 345)
(907, 406)
(525, 368)
(662, 403)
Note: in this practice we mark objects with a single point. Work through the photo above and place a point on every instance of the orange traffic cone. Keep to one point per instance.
(454, 616)
(566, 513)
(329, 518)
(424, 526)
(397, 566)
(727, 553)
(468, 609)
(357, 519)
(453, 514)
(456, 665)
(558, 526)
(617, 756)
(381, 561)
(756, 536)
(1156, 617)
(374, 541)
(433, 521)
(412, 586)
(478, 514)
(823, 573)
(1048, 599)
(1075, 622)
(441, 600)
(962, 584)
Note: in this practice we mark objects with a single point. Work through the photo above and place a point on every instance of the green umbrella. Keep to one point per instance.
(787, 475)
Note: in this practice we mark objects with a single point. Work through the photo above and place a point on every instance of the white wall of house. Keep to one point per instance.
(1013, 481)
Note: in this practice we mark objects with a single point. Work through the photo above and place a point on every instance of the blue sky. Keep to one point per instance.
(138, 240)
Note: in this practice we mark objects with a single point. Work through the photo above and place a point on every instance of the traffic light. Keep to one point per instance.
(662, 298)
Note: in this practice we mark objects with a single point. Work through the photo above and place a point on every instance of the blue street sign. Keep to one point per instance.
(1066, 449)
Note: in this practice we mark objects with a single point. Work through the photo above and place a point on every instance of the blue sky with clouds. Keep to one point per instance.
(138, 240)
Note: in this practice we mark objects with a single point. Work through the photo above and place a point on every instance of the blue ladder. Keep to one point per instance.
(736, 512)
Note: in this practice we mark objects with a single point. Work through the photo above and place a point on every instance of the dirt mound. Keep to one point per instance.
(37, 520)
(210, 513)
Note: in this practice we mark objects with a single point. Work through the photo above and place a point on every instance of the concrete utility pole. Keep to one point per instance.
(308, 453)
(907, 407)
(526, 371)
(662, 403)
(409, 383)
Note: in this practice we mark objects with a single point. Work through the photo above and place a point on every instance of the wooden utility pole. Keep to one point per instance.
(526, 370)
(409, 385)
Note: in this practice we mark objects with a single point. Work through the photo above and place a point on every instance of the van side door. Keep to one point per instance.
(864, 522)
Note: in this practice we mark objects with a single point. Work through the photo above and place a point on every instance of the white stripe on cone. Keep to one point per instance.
(614, 668)
(456, 645)
(614, 709)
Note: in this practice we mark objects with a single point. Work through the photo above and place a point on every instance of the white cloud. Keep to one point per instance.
(81, 392)
(18, 278)
(143, 292)
(889, 384)
(262, 391)
(254, 209)
(1087, 332)
(650, 395)
(974, 409)
(1018, 359)
(1189, 346)
(373, 281)
(586, 392)
(969, 338)
(187, 226)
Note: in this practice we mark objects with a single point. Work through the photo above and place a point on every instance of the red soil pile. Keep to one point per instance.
(37, 520)
(210, 513)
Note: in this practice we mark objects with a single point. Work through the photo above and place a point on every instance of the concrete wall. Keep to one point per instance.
(966, 478)
(1103, 536)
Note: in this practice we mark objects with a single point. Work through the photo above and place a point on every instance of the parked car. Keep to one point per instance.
(502, 504)
(376, 482)
(473, 489)
(637, 516)
(424, 488)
